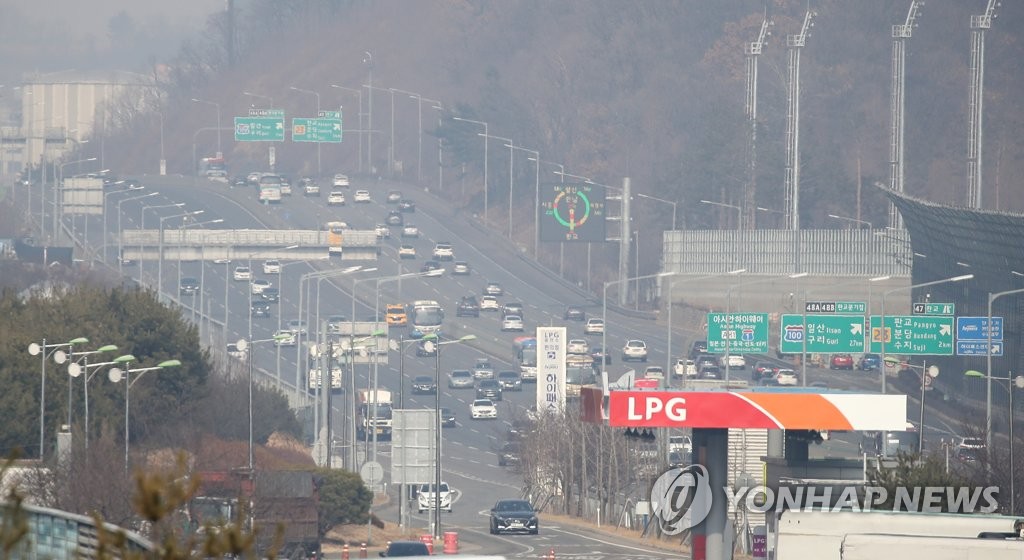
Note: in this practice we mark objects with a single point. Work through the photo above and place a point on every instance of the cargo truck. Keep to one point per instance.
(374, 414)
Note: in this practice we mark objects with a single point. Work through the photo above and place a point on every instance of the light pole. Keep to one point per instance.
(1018, 383)
(317, 95)
(75, 369)
(988, 367)
(728, 307)
(511, 151)
(362, 132)
(142, 226)
(674, 204)
(368, 61)
(739, 221)
(77, 357)
(852, 220)
(668, 334)
(117, 374)
(160, 259)
(439, 107)
(57, 195)
(485, 158)
(43, 351)
(280, 284)
(243, 345)
(536, 201)
(927, 373)
(252, 355)
(216, 106)
(120, 242)
(883, 333)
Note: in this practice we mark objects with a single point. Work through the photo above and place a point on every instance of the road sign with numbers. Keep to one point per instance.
(738, 333)
(923, 335)
(259, 129)
(824, 334)
(325, 128)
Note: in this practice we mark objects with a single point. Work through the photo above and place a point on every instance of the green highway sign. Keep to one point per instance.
(919, 335)
(326, 128)
(259, 129)
(851, 307)
(824, 334)
(279, 113)
(738, 333)
(933, 309)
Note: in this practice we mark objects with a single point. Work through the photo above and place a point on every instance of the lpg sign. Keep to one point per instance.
(646, 408)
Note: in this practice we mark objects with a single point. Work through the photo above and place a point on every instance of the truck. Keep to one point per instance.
(263, 503)
(373, 414)
(524, 356)
(314, 377)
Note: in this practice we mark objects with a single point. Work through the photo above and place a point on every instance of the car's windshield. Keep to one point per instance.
(514, 505)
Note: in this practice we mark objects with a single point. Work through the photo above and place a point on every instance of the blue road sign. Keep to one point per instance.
(977, 348)
(976, 328)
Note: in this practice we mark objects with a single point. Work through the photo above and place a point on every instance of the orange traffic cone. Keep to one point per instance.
(344, 552)
(551, 554)
(362, 550)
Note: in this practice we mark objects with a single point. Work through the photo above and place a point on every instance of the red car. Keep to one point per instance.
(841, 361)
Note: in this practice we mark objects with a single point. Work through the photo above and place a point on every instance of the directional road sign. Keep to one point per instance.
(977, 348)
(325, 128)
(259, 129)
(920, 335)
(743, 333)
(976, 328)
(933, 308)
(824, 333)
(835, 307)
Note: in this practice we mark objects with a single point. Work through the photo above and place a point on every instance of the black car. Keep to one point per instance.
(406, 205)
(698, 347)
(447, 418)
(510, 381)
(397, 549)
(468, 307)
(509, 454)
(270, 295)
(189, 286)
(514, 516)
(394, 219)
(763, 369)
(260, 309)
(423, 385)
(575, 313)
(430, 265)
(597, 353)
(488, 389)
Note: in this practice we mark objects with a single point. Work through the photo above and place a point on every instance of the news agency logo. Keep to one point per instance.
(683, 498)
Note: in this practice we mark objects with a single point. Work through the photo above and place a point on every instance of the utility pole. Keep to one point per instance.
(900, 34)
(792, 178)
(752, 50)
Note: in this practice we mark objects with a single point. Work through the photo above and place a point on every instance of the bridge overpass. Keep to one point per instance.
(237, 244)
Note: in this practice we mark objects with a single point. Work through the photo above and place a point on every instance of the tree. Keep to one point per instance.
(343, 498)
(916, 471)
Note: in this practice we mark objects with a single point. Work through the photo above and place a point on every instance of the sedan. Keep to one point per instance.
(259, 285)
(297, 326)
(634, 350)
(763, 369)
(574, 313)
(734, 361)
(512, 323)
(407, 252)
(189, 286)
(260, 309)
(598, 354)
(423, 385)
(406, 205)
(493, 289)
(382, 231)
(361, 196)
(284, 338)
(272, 267)
(514, 516)
(488, 389)
(577, 346)
(410, 231)
(510, 381)
(841, 361)
(460, 268)
(654, 372)
(483, 409)
(336, 198)
(340, 180)
(594, 326)
(393, 197)
(447, 418)
(460, 379)
(489, 303)
(241, 274)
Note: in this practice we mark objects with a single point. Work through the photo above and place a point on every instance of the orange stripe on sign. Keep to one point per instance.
(801, 411)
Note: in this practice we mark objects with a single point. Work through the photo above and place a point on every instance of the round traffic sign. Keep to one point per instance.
(372, 473)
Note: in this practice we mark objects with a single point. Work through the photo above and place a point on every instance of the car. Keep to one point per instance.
(395, 316)
(512, 308)
(654, 372)
(258, 285)
(394, 219)
(840, 361)
(684, 367)
(577, 346)
(734, 361)
(709, 371)
(678, 459)
(488, 389)
(460, 379)
(406, 205)
(634, 350)
(425, 500)
(483, 369)
(189, 286)
(510, 381)
(763, 369)
(406, 251)
(971, 442)
(393, 197)
(512, 323)
(423, 385)
(869, 362)
(340, 180)
(253, 177)
(309, 186)
(410, 230)
(706, 359)
(297, 326)
(272, 267)
(786, 376)
(398, 549)
(284, 338)
(514, 516)
(680, 443)
(260, 309)
(336, 198)
(460, 268)
(489, 303)
(235, 352)
(574, 313)
(597, 353)
(334, 323)
(447, 418)
(361, 195)
(382, 231)
(468, 307)
(443, 251)
(241, 274)
(483, 409)
(270, 295)
(493, 289)
(431, 266)
(967, 455)
(698, 347)
(508, 455)
(286, 186)
(594, 326)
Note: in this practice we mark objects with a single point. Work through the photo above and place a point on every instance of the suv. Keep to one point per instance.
(189, 286)
(468, 307)
(483, 369)
(869, 362)
(512, 308)
(634, 350)
(488, 389)
(841, 361)
(425, 497)
(443, 251)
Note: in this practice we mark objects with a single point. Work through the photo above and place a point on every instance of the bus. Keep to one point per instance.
(524, 356)
(579, 372)
(335, 233)
(426, 318)
(269, 188)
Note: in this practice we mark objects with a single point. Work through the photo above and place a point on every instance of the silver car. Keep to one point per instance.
(460, 379)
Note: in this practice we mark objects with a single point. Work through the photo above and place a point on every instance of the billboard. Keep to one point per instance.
(413, 436)
(550, 369)
(572, 212)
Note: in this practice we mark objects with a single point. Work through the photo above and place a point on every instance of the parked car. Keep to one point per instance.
(841, 361)
(514, 516)
(634, 350)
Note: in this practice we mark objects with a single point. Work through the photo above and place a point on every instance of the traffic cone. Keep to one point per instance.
(362, 550)
(551, 554)
(344, 552)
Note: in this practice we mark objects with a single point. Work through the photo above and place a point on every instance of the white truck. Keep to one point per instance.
(374, 414)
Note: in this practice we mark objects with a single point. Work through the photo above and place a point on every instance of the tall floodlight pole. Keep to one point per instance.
(368, 61)
(362, 132)
(976, 112)
(419, 128)
(217, 107)
(897, 105)
(485, 158)
(792, 178)
(752, 51)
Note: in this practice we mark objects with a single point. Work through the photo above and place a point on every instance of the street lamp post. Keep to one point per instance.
(42, 350)
(852, 220)
(439, 107)
(604, 308)
(485, 135)
(76, 358)
(739, 210)
(75, 369)
(216, 106)
(117, 374)
(120, 242)
(160, 257)
(728, 308)
(362, 132)
(674, 205)
(988, 367)
(419, 132)
(142, 226)
(1018, 383)
(270, 100)
(202, 269)
(368, 61)
(317, 95)
(884, 331)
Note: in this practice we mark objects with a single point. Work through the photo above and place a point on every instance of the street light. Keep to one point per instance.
(243, 345)
(317, 95)
(485, 159)
(202, 267)
(120, 242)
(728, 307)
(674, 204)
(270, 100)
(115, 375)
(884, 331)
(739, 211)
(853, 220)
(1018, 382)
(668, 336)
(42, 350)
(76, 357)
(75, 369)
(216, 106)
(160, 257)
(359, 93)
(439, 107)
(988, 364)
(142, 226)
(927, 374)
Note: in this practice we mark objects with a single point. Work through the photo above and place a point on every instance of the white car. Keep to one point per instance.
(634, 350)
(410, 231)
(786, 377)
(443, 251)
(241, 274)
(425, 498)
(460, 268)
(361, 196)
(406, 252)
(271, 267)
(383, 231)
(594, 326)
(680, 443)
(336, 198)
(284, 338)
(512, 323)
(685, 367)
(493, 289)
(259, 285)
(483, 409)
(734, 361)
(489, 303)
(577, 346)
(654, 372)
(297, 326)
(340, 180)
